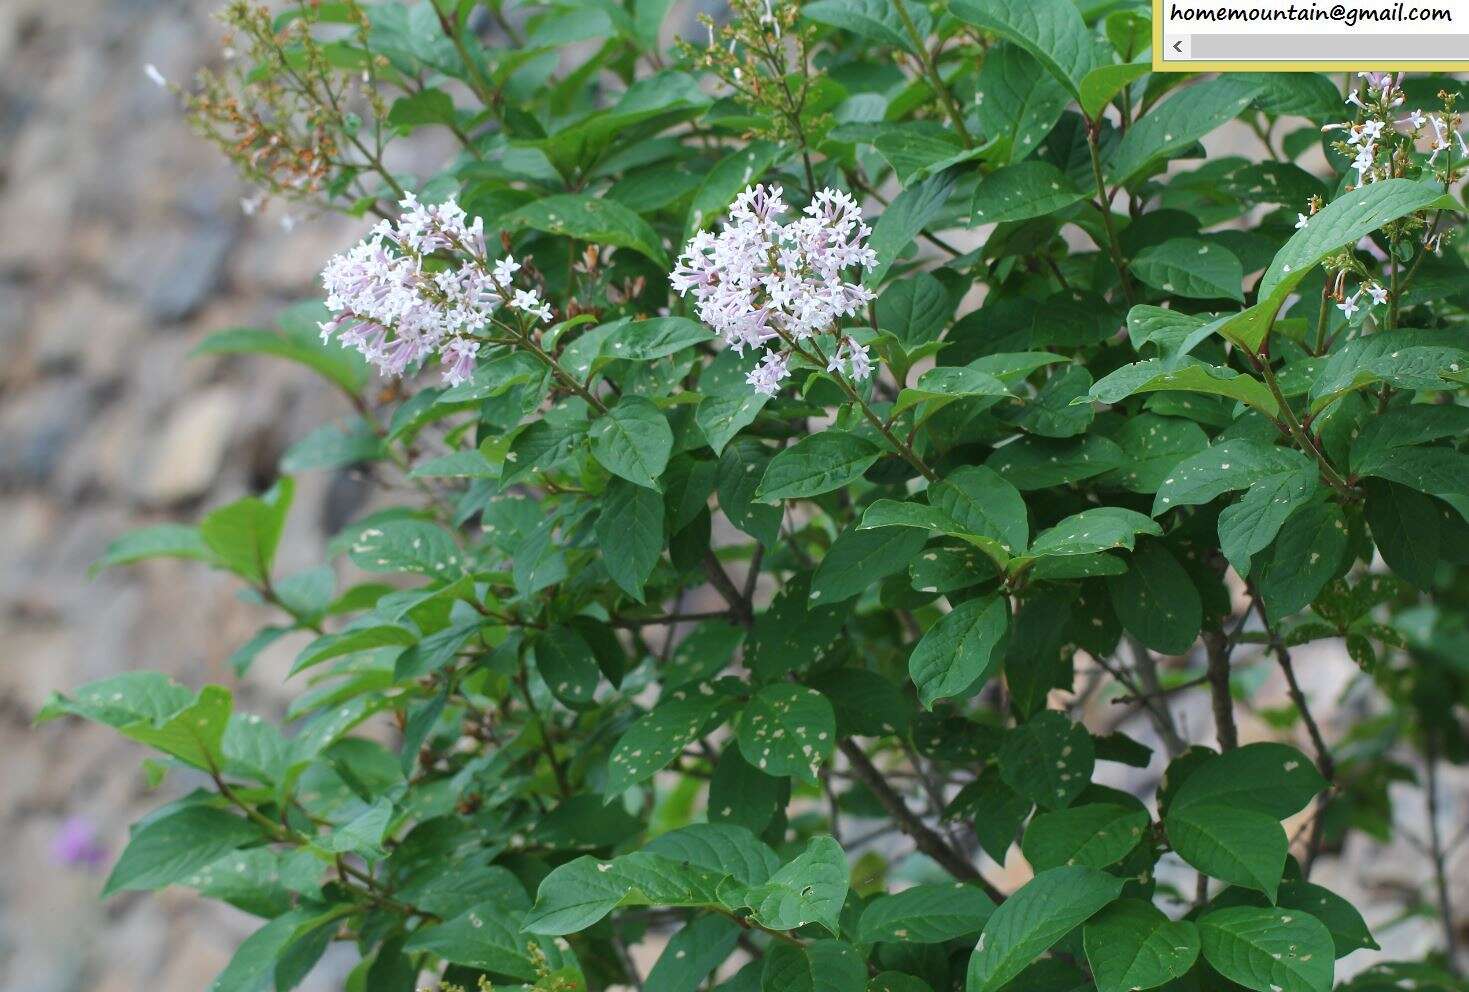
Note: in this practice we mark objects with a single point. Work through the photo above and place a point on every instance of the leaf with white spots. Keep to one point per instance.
(1272, 778)
(1178, 122)
(859, 558)
(407, 546)
(961, 651)
(1268, 950)
(1305, 556)
(1034, 918)
(633, 440)
(719, 847)
(692, 953)
(630, 533)
(1341, 223)
(567, 665)
(1102, 529)
(817, 464)
(1186, 374)
(787, 729)
(809, 889)
(1157, 601)
(580, 892)
(926, 914)
(1050, 30)
(1132, 945)
(1096, 835)
(1048, 759)
(819, 966)
(729, 405)
(1040, 463)
(1151, 446)
(1021, 191)
(660, 736)
(1190, 268)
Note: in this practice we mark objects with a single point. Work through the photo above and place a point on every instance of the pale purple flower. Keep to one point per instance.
(397, 310)
(770, 373)
(1379, 294)
(76, 844)
(1349, 305)
(761, 279)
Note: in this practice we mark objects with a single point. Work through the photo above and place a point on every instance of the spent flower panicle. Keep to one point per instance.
(421, 285)
(760, 282)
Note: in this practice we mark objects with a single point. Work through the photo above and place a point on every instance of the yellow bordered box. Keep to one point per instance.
(1310, 35)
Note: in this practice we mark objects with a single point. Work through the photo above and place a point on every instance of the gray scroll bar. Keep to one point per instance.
(1334, 47)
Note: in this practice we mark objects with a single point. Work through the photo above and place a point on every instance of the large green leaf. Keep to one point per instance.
(660, 736)
(1342, 222)
(1096, 835)
(171, 847)
(1027, 924)
(1021, 191)
(810, 889)
(787, 730)
(859, 558)
(1157, 601)
(1048, 759)
(1050, 30)
(595, 220)
(959, 652)
(633, 440)
(1190, 268)
(1268, 949)
(904, 219)
(1187, 375)
(817, 464)
(1178, 122)
(1131, 945)
(630, 533)
(243, 535)
(926, 914)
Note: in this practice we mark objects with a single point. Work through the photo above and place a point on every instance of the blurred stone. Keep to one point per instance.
(191, 447)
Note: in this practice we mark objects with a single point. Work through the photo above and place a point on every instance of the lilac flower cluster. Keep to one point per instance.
(770, 285)
(396, 300)
(1382, 95)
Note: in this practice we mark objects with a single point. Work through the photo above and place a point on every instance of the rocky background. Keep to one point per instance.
(124, 245)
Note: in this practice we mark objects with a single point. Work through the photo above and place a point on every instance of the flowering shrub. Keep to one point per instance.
(817, 608)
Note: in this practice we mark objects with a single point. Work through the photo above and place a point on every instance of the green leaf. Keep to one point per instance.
(904, 219)
(580, 892)
(633, 441)
(691, 954)
(427, 106)
(298, 340)
(820, 966)
(1272, 778)
(816, 464)
(649, 340)
(630, 533)
(719, 847)
(253, 967)
(1251, 524)
(1048, 759)
(944, 385)
(567, 665)
(1187, 375)
(742, 465)
(407, 546)
(1407, 358)
(158, 541)
(1238, 463)
(728, 404)
(1348, 930)
(810, 889)
(1027, 924)
(859, 558)
(1050, 30)
(1102, 529)
(595, 220)
(1021, 191)
(1157, 601)
(787, 730)
(874, 20)
(1180, 121)
(983, 503)
(1040, 463)
(1022, 102)
(154, 710)
(1405, 527)
(1190, 268)
(961, 651)
(1131, 945)
(1437, 471)
(1306, 555)
(1151, 447)
(660, 736)
(925, 914)
(1096, 835)
(1268, 949)
(488, 936)
(1231, 844)
(243, 535)
(1344, 221)
(1100, 85)
(171, 847)
(727, 178)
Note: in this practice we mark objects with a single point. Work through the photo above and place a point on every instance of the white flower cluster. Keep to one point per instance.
(1382, 95)
(760, 282)
(395, 307)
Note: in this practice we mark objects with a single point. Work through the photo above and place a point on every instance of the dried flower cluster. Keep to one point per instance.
(760, 281)
(422, 285)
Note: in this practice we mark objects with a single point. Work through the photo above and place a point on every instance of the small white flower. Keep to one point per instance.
(1301, 221)
(1349, 305)
(157, 77)
(1378, 293)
